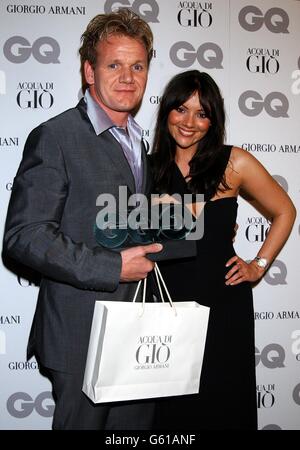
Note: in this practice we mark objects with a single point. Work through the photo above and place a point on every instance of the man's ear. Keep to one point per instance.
(89, 73)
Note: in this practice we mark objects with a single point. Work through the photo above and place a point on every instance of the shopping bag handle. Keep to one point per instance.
(159, 275)
(159, 279)
(137, 290)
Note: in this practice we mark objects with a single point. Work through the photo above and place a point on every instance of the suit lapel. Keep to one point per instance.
(114, 151)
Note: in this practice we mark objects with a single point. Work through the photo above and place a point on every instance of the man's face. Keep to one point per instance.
(119, 79)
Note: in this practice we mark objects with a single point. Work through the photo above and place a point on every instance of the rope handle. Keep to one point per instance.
(160, 280)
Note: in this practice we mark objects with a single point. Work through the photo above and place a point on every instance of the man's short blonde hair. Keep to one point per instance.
(121, 22)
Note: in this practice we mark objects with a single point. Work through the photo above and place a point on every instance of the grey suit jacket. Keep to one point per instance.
(49, 227)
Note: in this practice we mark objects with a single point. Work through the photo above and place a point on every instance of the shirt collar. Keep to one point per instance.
(98, 117)
(100, 120)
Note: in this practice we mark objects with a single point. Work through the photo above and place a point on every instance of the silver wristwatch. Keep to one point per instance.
(261, 262)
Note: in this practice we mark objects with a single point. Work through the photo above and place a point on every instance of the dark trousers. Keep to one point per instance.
(74, 411)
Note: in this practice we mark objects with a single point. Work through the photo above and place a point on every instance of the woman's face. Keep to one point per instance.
(188, 124)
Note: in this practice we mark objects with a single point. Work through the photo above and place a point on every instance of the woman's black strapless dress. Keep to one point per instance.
(227, 396)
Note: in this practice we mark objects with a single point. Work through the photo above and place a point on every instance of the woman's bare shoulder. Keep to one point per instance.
(240, 158)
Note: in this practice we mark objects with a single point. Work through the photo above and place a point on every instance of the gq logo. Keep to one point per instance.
(251, 103)
(45, 50)
(252, 19)
(149, 15)
(209, 55)
(21, 404)
(272, 356)
(277, 274)
(296, 394)
(282, 181)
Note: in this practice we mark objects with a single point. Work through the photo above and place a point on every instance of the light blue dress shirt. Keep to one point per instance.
(130, 140)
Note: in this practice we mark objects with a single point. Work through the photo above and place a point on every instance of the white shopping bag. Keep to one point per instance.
(145, 350)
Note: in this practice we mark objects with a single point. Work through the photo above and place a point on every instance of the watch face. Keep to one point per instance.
(261, 262)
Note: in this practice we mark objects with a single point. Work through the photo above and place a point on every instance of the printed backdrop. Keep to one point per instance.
(251, 48)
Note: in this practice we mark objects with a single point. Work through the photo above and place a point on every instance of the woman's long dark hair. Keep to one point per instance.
(206, 167)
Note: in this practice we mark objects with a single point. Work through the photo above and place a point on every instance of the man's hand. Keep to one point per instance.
(135, 264)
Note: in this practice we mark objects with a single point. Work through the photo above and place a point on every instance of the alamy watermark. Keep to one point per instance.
(146, 219)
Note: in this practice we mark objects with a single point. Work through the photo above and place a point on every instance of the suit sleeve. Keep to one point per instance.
(32, 232)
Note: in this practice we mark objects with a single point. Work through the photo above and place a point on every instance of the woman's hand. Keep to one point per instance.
(242, 271)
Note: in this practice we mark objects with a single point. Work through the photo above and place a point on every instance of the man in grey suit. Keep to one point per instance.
(68, 162)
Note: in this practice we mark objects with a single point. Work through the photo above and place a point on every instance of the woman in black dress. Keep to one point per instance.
(189, 156)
